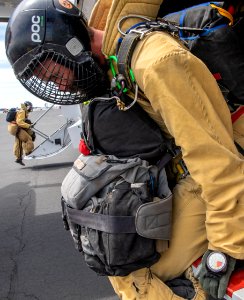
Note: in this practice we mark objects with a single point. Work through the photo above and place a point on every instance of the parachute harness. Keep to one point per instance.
(124, 80)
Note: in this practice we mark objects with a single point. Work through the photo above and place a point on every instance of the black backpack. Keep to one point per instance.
(115, 209)
(114, 202)
(206, 30)
(11, 115)
(169, 6)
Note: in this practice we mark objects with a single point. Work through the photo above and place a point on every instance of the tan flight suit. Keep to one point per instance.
(182, 96)
(21, 130)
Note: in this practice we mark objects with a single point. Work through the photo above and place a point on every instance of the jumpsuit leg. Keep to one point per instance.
(27, 143)
(18, 150)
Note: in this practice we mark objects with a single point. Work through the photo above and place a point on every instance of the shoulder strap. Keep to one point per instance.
(130, 41)
(124, 55)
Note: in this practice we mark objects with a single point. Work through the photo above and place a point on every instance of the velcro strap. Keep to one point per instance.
(105, 223)
(153, 219)
(124, 55)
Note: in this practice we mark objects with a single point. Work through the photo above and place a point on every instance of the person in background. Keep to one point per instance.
(21, 129)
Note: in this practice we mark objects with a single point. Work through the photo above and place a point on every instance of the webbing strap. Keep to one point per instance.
(105, 223)
(167, 157)
(239, 148)
(124, 55)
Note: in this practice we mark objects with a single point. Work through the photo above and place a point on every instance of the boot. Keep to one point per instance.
(19, 161)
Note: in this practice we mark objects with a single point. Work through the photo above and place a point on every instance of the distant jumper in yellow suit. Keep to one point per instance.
(21, 129)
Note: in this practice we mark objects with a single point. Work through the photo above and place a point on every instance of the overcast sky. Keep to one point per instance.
(12, 93)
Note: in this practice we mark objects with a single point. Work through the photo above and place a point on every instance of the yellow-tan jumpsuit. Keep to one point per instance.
(182, 96)
(21, 130)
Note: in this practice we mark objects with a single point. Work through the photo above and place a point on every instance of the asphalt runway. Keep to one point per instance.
(37, 256)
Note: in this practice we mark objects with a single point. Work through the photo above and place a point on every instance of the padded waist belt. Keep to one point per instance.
(152, 220)
(106, 223)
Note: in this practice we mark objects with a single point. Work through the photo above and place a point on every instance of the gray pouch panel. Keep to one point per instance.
(91, 167)
(153, 219)
(90, 174)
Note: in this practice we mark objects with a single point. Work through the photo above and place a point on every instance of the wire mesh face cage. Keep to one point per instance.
(57, 79)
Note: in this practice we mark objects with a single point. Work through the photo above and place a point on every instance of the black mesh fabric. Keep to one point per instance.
(109, 130)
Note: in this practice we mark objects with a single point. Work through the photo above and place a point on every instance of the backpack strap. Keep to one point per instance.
(130, 41)
(105, 223)
(152, 219)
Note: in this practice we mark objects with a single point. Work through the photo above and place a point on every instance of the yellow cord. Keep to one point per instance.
(224, 13)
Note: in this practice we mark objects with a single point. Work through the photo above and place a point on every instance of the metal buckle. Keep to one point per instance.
(141, 31)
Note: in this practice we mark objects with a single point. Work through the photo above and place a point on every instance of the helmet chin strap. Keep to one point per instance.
(96, 45)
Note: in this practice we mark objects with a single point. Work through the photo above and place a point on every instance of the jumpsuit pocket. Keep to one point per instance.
(147, 286)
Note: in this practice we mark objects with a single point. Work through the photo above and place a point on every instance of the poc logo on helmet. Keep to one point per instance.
(37, 22)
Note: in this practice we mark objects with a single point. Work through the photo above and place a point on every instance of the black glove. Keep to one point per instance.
(28, 121)
(182, 287)
(215, 273)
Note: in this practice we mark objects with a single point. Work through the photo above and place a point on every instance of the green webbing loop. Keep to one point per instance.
(113, 58)
(132, 76)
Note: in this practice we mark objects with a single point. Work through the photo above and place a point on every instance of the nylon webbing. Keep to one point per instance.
(105, 223)
(239, 148)
(124, 55)
(167, 157)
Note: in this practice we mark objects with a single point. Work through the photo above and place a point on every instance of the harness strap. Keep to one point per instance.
(239, 148)
(106, 223)
(124, 56)
(130, 40)
(167, 157)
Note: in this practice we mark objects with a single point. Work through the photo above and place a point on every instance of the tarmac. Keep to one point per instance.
(38, 260)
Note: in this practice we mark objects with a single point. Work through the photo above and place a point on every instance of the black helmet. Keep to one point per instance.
(28, 105)
(41, 30)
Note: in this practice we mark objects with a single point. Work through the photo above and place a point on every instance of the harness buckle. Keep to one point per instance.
(143, 31)
(178, 163)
